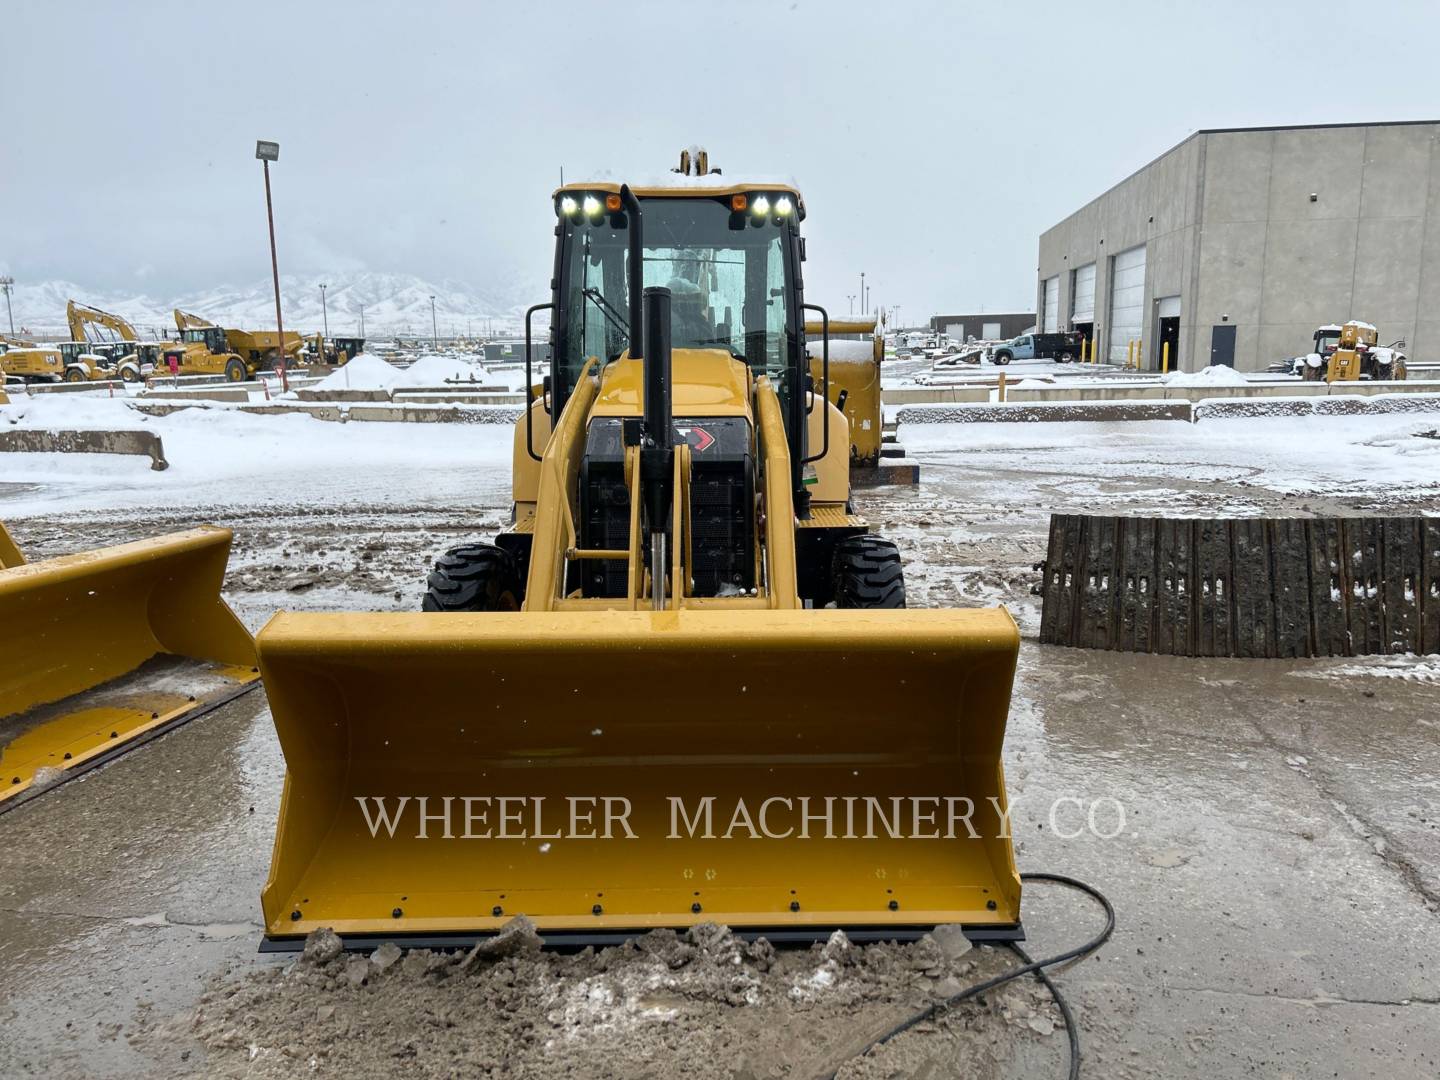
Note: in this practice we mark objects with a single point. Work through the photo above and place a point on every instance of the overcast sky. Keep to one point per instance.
(933, 141)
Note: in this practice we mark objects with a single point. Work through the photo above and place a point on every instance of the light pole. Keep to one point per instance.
(7, 283)
(362, 320)
(324, 311)
(862, 292)
(434, 327)
(851, 298)
(268, 152)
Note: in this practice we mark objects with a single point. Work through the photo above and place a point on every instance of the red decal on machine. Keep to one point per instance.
(699, 439)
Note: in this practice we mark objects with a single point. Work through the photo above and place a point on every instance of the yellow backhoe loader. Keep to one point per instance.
(104, 649)
(125, 356)
(682, 686)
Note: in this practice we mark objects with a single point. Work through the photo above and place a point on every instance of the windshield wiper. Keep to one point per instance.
(612, 316)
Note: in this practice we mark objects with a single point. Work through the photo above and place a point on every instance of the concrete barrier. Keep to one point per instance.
(420, 414)
(107, 386)
(46, 441)
(1334, 405)
(232, 392)
(426, 398)
(341, 394)
(1046, 412)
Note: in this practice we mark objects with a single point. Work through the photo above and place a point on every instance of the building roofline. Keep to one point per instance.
(1314, 127)
(1233, 131)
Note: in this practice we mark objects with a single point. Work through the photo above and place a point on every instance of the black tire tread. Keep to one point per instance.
(867, 573)
(473, 577)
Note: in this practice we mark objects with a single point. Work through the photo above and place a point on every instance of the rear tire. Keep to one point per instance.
(866, 573)
(473, 577)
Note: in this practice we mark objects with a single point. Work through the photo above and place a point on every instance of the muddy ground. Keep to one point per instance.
(1277, 877)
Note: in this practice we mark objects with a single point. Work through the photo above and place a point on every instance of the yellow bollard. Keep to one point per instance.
(1002, 386)
(1165, 358)
(1130, 354)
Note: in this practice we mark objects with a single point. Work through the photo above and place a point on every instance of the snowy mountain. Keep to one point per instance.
(393, 304)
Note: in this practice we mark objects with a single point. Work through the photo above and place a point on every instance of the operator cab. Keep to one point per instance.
(212, 337)
(729, 255)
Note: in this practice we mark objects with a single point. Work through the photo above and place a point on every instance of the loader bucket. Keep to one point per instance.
(104, 649)
(539, 718)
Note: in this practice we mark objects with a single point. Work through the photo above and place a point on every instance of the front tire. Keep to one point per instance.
(473, 577)
(234, 370)
(74, 375)
(1001, 358)
(866, 573)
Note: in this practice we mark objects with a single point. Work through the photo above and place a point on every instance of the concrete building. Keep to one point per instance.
(1235, 245)
(984, 327)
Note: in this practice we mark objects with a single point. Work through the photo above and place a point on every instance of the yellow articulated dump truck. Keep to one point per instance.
(683, 685)
(257, 347)
(104, 649)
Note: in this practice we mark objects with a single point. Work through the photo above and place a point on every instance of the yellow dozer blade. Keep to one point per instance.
(106, 648)
(539, 718)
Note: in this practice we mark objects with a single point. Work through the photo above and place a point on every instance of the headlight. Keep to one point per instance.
(592, 206)
(783, 206)
(568, 206)
(761, 206)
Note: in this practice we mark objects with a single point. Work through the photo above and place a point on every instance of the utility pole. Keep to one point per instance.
(268, 152)
(7, 283)
(434, 327)
(324, 311)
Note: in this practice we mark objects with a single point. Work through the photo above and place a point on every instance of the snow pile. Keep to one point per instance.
(83, 412)
(432, 370)
(1215, 375)
(842, 349)
(364, 372)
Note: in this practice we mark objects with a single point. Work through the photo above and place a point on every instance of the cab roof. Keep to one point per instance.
(679, 186)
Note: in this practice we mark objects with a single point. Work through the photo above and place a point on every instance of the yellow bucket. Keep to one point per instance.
(777, 770)
(105, 647)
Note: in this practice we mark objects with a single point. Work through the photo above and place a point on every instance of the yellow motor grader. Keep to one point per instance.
(682, 686)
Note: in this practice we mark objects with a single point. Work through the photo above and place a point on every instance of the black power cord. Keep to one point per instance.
(1028, 967)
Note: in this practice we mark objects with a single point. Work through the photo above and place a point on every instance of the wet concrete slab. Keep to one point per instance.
(1273, 889)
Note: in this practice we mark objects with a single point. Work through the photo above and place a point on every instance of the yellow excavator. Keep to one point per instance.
(116, 350)
(682, 686)
(105, 649)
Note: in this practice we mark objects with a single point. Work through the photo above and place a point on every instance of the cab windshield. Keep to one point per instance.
(727, 279)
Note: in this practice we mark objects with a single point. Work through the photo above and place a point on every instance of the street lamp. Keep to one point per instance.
(862, 292)
(324, 311)
(7, 283)
(851, 298)
(268, 152)
(434, 328)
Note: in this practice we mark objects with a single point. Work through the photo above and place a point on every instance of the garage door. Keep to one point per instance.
(955, 331)
(1082, 296)
(1127, 301)
(1050, 313)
